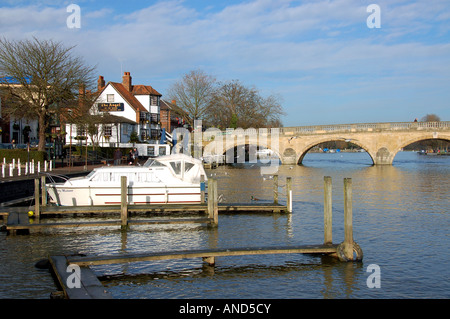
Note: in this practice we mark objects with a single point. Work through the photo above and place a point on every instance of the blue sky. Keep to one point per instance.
(320, 56)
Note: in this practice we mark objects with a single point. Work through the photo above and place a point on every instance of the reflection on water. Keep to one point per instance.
(401, 221)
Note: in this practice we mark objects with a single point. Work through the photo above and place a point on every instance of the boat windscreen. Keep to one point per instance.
(90, 174)
(188, 166)
(152, 162)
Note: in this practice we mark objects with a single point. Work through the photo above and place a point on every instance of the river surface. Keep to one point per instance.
(401, 219)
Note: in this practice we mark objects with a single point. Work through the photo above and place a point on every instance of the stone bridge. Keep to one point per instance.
(382, 141)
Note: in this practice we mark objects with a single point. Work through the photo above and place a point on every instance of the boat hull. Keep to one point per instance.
(64, 195)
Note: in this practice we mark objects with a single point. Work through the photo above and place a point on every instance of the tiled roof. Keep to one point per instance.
(144, 90)
(163, 105)
(129, 97)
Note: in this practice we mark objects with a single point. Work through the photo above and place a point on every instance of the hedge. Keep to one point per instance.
(22, 154)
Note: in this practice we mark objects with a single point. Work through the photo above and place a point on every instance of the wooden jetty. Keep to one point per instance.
(76, 282)
(208, 255)
(18, 221)
(90, 287)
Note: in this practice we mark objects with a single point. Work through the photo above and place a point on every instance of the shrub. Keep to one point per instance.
(21, 154)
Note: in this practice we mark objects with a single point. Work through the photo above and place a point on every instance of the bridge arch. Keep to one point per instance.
(308, 147)
(257, 145)
(426, 137)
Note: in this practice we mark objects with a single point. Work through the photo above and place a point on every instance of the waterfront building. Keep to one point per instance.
(130, 108)
(15, 129)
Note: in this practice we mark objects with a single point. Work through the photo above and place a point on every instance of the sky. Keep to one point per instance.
(330, 61)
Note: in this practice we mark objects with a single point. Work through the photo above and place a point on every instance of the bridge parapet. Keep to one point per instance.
(364, 127)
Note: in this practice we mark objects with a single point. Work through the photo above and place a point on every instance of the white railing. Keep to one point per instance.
(15, 168)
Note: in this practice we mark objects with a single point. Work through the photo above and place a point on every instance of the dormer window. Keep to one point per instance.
(154, 100)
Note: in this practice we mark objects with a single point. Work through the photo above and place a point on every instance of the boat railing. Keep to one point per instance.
(63, 177)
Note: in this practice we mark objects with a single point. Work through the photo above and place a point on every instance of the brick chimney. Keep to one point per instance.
(100, 83)
(81, 94)
(126, 81)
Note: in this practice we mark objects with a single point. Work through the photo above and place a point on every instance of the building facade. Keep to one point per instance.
(15, 130)
(131, 109)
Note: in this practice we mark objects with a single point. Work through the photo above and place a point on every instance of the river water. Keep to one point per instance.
(401, 216)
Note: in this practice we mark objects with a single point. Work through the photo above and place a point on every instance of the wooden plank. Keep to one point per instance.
(170, 221)
(90, 287)
(63, 225)
(126, 258)
(108, 223)
(164, 208)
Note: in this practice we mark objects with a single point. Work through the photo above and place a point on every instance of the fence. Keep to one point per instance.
(15, 168)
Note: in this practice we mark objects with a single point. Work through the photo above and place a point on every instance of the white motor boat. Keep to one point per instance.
(171, 179)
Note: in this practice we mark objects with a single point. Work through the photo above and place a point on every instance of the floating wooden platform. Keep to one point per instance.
(91, 288)
(206, 254)
(17, 219)
(223, 207)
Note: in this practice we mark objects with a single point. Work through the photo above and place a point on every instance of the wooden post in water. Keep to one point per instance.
(289, 194)
(210, 198)
(202, 189)
(123, 202)
(211, 261)
(215, 204)
(327, 212)
(36, 199)
(275, 189)
(44, 192)
(348, 219)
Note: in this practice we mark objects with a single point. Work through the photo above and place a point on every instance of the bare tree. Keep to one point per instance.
(431, 118)
(39, 77)
(192, 95)
(235, 105)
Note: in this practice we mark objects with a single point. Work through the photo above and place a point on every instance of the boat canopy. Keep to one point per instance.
(187, 168)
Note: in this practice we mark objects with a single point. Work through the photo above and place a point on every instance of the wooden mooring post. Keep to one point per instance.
(202, 189)
(348, 250)
(123, 203)
(213, 205)
(327, 212)
(275, 189)
(37, 211)
(43, 192)
(348, 218)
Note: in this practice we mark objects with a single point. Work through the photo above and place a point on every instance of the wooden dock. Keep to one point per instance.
(208, 255)
(90, 287)
(65, 267)
(18, 221)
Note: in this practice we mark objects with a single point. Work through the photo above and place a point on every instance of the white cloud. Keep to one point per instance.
(16, 20)
(314, 44)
